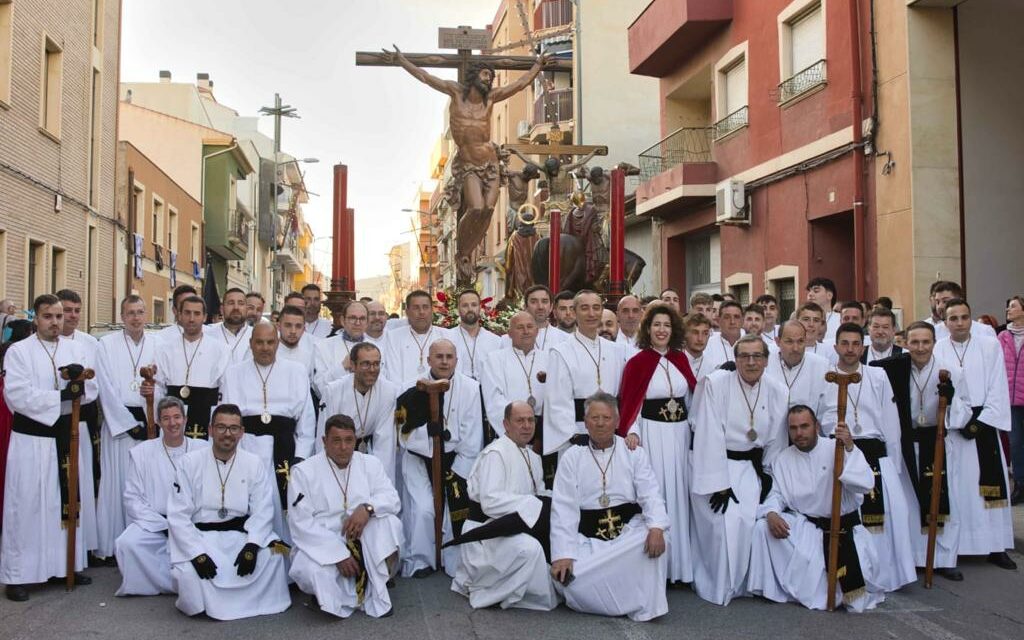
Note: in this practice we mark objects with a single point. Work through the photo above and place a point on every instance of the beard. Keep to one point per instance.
(470, 318)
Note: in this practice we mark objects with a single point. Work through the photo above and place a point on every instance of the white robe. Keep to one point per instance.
(704, 365)
(878, 417)
(667, 445)
(318, 329)
(572, 375)
(978, 329)
(507, 571)
(462, 417)
(237, 344)
(721, 421)
(877, 355)
(248, 492)
(116, 370)
(317, 518)
(508, 375)
(793, 569)
(719, 350)
(547, 337)
(141, 549)
(303, 353)
(329, 358)
(832, 323)
(33, 544)
(805, 383)
(171, 333)
(472, 351)
(209, 360)
(287, 395)
(373, 413)
(982, 530)
(612, 577)
(404, 354)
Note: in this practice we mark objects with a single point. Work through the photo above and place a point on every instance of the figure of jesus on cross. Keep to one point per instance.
(475, 165)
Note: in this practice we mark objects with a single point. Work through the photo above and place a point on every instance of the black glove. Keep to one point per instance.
(719, 500)
(728, 365)
(580, 440)
(72, 391)
(246, 560)
(970, 432)
(946, 390)
(138, 432)
(205, 567)
(434, 429)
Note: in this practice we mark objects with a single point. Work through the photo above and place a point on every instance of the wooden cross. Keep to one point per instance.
(286, 470)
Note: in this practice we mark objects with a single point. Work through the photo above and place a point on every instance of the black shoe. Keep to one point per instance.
(80, 579)
(17, 593)
(951, 573)
(391, 583)
(425, 572)
(387, 614)
(1002, 560)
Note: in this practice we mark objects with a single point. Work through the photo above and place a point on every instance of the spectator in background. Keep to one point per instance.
(1012, 341)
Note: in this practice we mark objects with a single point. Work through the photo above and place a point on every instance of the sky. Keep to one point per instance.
(379, 121)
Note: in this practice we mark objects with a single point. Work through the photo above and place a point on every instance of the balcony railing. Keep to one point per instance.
(802, 81)
(238, 227)
(553, 106)
(735, 120)
(688, 144)
(552, 13)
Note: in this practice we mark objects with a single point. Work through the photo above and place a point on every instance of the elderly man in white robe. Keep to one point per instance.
(874, 420)
(986, 518)
(461, 430)
(277, 412)
(802, 372)
(234, 330)
(226, 558)
(789, 557)
(608, 523)
(120, 356)
(518, 373)
(508, 567)
(191, 367)
(472, 341)
(141, 549)
(370, 400)
(343, 516)
(333, 357)
(739, 427)
(34, 540)
(404, 349)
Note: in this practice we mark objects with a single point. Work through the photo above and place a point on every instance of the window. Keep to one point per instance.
(50, 93)
(36, 281)
(58, 269)
(172, 229)
(158, 311)
(138, 209)
(785, 293)
(807, 40)
(801, 48)
(6, 38)
(736, 87)
(92, 275)
(703, 264)
(731, 91)
(742, 293)
(195, 244)
(157, 220)
(94, 134)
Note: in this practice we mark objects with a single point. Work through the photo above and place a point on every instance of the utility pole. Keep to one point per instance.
(278, 111)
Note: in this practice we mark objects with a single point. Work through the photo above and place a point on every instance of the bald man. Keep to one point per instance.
(629, 313)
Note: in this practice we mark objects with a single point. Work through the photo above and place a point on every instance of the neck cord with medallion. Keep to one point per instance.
(185, 391)
(421, 347)
(751, 408)
(450, 393)
(472, 352)
(672, 410)
(699, 361)
(855, 401)
(344, 489)
(238, 337)
(960, 357)
(265, 417)
(790, 383)
(52, 357)
(364, 413)
(921, 419)
(529, 468)
(223, 512)
(134, 386)
(597, 360)
(171, 460)
(545, 340)
(603, 499)
(531, 400)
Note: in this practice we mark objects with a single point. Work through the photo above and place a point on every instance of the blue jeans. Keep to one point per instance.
(1017, 444)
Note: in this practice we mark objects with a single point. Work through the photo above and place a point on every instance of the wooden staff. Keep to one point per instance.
(433, 389)
(938, 462)
(148, 373)
(843, 380)
(72, 524)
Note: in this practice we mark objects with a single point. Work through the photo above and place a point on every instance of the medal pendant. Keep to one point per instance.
(752, 435)
(604, 501)
(673, 409)
(920, 420)
(531, 401)
(856, 428)
(421, 369)
(134, 386)
(222, 512)
(265, 418)
(185, 392)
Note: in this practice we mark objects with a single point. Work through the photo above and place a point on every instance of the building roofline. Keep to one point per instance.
(162, 172)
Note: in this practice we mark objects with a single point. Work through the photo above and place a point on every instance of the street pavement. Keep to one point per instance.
(988, 604)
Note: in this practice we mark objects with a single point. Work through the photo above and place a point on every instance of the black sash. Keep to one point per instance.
(61, 434)
(489, 434)
(872, 510)
(578, 406)
(851, 578)
(282, 429)
(234, 524)
(456, 491)
(139, 431)
(657, 410)
(200, 403)
(607, 523)
(509, 525)
(925, 438)
(548, 463)
(755, 456)
(89, 413)
(991, 481)
(316, 403)
(365, 444)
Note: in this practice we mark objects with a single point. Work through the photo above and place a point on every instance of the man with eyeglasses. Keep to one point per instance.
(226, 557)
(740, 429)
(369, 400)
(333, 355)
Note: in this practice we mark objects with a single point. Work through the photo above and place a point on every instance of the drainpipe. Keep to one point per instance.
(859, 252)
(577, 49)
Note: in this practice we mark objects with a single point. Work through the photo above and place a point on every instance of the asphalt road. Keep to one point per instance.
(988, 604)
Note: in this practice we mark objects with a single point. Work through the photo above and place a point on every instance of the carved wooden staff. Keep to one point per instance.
(72, 524)
(433, 389)
(843, 380)
(938, 462)
(148, 373)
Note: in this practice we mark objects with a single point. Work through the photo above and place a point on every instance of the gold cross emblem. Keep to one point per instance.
(454, 484)
(671, 411)
(873, 495)
(66, 465)
(285, 469)
(612, 526)
(196, 432)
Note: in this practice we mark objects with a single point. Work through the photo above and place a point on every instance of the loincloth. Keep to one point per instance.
(489, 173)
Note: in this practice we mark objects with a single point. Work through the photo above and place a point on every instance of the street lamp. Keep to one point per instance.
(433, 242)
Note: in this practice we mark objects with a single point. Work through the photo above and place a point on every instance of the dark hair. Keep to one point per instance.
(646, 300)
(852, 304)
(193, 299)
(946, 285)
(920, 324)
(181, 290)
(747, 339)
(955, 302)
(255, 294)
(311, 287)
(227, 409)
(232, 290)
(701, 298)
(44, 300)
(69, 295)
(666, 290)
(416, 293)
(882, 312)
(766, 298)
(730, 303)
(131, 298)
(754, 308)
(473, 74)
(678, 335)
(468, 292)
(884, 301)
(563, 295)
(800, 408)
(534, 289)
(717, 297)
(811, 306)
(290, 310)
(354, 352)
(825, 283)
(293, 294)
(695, 320)
(850, 327)
(339, 421)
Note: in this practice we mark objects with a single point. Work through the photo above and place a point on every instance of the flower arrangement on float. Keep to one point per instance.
(493, 317)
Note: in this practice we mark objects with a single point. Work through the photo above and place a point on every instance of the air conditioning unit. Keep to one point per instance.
(731, 203)
(523, 129)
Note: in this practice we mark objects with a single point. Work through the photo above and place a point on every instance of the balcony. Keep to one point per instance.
(553, 106)
(677, 171)
(731, 123)
(669, 31)
(289, 256)
(552, 13)
(803, 82)
(239, 227)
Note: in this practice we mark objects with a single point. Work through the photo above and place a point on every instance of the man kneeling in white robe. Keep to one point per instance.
(607, 523)
(504, 562)
(221, 538)
(343, 515)
(141, 549)
(788, 553)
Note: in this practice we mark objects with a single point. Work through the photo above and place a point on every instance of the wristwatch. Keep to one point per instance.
(368, 507)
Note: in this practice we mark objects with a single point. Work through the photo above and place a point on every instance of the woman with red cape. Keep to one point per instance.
(14, 330)
(654, 400)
